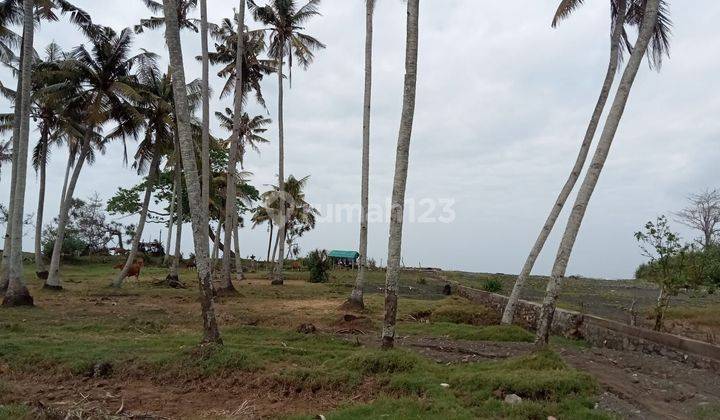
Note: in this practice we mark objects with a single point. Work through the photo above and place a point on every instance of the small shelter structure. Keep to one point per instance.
(347, 259)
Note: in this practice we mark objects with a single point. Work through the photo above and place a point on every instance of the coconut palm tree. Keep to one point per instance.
(10, 15)
(184, 8)
(254, 69)
(622, 14)
(211, 334)
(101, 82)
(17, 293)
(12, 12)
(400, 181)
(205, 144)
(251, 131)
(155, 103)
(356, 296)
(56, 125)
(231, 183)
(285, 21)
(650, 12)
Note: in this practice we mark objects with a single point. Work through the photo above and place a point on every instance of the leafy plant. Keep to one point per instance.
(492, 286)
(318, 263)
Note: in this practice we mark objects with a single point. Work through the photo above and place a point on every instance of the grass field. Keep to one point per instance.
(94, 351)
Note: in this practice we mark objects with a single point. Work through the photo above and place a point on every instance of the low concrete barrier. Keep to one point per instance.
(601, 332)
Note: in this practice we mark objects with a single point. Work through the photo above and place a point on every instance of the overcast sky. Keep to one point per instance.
(503, 101)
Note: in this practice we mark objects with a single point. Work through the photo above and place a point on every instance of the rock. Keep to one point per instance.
(513, 399)
(444, 385)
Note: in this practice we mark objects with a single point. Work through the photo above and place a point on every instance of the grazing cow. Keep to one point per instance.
(135, 268)
(191, 264)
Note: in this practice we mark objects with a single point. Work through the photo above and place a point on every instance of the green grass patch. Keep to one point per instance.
(14, 412)
(461, 311)
(501, 333)
(546, 384)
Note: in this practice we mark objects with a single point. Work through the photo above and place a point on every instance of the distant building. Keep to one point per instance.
(341, 258)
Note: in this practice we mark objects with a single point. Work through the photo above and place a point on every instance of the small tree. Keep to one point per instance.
(703, 214)
(667, 263)
(319, 265)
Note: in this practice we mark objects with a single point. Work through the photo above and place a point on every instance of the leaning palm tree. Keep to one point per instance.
(650, 11)
(101, 83)
(285, 21)
(356, 296)
(622, 14)
(17, 293)
(400, 181)
(211, 334)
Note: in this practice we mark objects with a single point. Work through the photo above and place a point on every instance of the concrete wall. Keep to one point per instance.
(601, 332)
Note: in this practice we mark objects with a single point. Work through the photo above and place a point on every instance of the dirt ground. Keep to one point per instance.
(635, 385)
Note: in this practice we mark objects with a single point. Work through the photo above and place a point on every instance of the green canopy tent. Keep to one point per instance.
(344, 258)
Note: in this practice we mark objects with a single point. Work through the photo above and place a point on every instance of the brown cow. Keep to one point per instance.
(135, 268)
(296, 266)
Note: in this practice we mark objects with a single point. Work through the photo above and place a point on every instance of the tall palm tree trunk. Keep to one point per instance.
(278, 274)
(615, 42)
(152, 178)
(39, 263)
(198, 209)
(231, 190)
(175, 267)
(356, 296)
(166, 258)
(7, 243)
(275, 247)
(591, 177)
(270, 238)
(66, 179)
(53, 281)
(216, 244)
(17, 293)
(238, 258)
(205, 115)
(401, 170)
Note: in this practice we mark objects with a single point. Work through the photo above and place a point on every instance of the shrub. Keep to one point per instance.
(492, 286)
(72, 244)
(460, 311)
(318, 263)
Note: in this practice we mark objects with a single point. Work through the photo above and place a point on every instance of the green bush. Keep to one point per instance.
(492, 286)
(318, 263)
(72, 245)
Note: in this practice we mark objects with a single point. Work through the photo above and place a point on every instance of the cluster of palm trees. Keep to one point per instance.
(76, 95)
